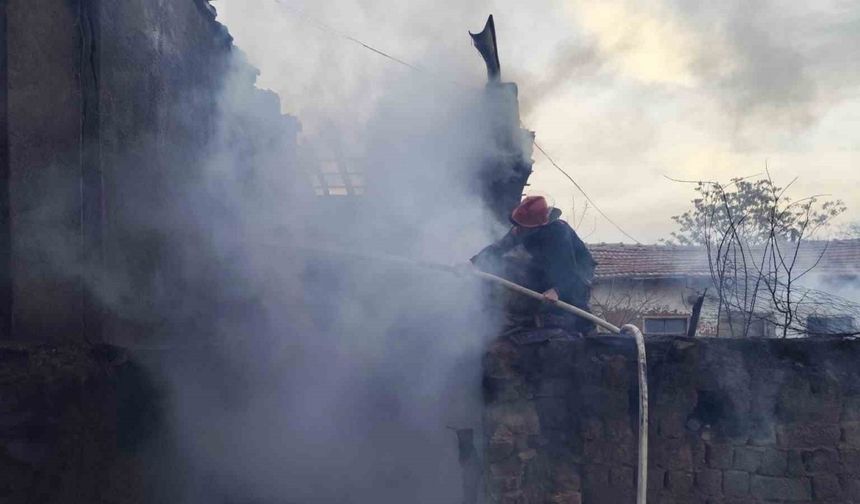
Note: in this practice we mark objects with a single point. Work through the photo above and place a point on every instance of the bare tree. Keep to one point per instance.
(753, 234)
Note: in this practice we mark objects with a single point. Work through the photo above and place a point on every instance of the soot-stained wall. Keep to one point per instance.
(112, 110)
(731, 421)
(75, 424)
(44, 50)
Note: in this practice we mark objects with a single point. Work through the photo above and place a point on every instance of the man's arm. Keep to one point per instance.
(560, 261)
(495, 251)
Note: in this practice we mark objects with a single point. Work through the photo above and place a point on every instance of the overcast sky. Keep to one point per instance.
(620, 92)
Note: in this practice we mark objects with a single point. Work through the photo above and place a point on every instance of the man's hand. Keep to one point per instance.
(551, 295)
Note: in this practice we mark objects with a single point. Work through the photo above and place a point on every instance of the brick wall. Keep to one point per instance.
(731, 421)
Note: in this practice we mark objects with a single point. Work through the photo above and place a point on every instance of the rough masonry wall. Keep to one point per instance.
(73, 420)
(732, 421)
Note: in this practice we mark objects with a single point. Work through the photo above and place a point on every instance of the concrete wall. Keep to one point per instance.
(732, 421)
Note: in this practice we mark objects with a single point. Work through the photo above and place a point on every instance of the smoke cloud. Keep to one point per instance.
(317, 371)
(330, 377)
(620, 92)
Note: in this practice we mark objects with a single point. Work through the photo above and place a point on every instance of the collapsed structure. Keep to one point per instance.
(504, 177)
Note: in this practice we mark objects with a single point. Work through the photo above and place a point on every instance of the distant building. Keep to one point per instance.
(657, 286)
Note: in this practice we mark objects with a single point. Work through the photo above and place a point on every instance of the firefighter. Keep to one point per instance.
(556, 263)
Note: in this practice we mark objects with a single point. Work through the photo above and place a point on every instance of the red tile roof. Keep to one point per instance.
(841, 257)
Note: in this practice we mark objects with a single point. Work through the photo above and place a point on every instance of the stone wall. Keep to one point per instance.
(731, 421)
(73, 422)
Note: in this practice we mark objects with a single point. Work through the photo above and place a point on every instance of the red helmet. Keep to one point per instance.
(532, 212)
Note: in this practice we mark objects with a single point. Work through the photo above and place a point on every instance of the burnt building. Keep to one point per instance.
(108, 112)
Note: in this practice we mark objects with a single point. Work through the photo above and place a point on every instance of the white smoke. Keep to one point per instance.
(332, 378)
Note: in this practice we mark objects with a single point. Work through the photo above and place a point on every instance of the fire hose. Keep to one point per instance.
(628, 330)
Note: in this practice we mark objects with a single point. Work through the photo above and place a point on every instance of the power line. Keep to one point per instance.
(587, 197)
(377, 51)
(384, 54)
(329, 29)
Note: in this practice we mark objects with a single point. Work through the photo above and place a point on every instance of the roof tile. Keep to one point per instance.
(840, 257)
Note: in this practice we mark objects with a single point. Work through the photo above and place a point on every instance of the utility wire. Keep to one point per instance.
(377, 51)
(587, 197)
(384, 54)
(326, 28)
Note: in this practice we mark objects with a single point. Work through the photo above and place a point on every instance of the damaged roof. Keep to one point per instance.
(618, 260)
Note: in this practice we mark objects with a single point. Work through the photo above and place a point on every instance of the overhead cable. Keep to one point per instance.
(587, 197)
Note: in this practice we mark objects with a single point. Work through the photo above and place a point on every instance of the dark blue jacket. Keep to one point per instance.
(560, 260)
